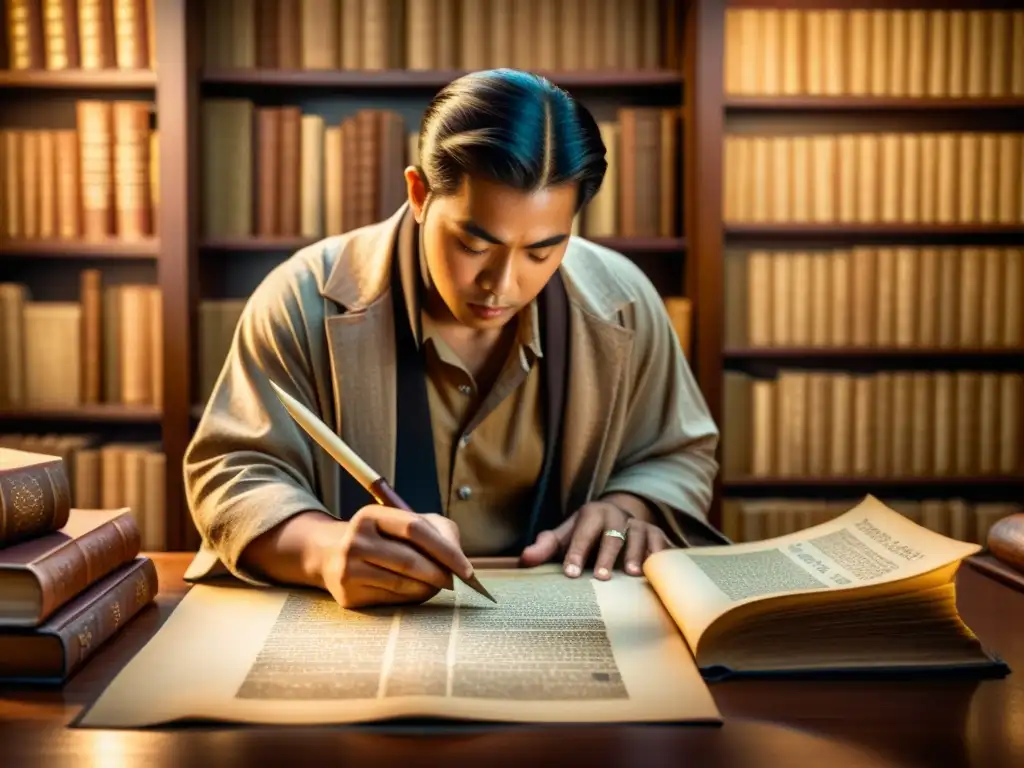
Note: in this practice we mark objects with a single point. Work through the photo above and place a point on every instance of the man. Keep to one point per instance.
(522, 389)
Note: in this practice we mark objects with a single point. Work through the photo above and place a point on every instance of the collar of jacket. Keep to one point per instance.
(362, 353)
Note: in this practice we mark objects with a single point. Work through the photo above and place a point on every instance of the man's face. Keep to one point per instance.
(491, 249)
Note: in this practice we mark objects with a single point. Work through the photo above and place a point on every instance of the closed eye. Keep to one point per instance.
(467, 249)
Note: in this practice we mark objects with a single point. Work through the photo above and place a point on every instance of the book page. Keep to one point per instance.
(553, 649)
(869, 546)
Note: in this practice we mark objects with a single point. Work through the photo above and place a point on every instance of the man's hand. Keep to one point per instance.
(385, 555)
(579, 534)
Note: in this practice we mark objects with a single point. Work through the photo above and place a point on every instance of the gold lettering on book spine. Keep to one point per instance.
(85, 637)
(141, 590)
(28, 503)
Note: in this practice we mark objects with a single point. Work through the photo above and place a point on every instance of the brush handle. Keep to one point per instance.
(386, 495)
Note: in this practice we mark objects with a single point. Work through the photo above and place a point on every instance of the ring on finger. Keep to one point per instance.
(614, 533)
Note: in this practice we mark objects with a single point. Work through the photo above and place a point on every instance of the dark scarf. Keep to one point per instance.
(415, 467)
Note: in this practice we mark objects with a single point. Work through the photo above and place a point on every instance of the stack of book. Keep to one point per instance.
(70, 579)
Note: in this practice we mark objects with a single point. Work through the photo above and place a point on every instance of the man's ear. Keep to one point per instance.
(416, 189)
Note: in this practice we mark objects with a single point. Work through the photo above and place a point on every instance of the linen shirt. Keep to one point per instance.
(488, 445)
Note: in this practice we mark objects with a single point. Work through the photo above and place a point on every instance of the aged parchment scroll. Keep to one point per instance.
(552, 650)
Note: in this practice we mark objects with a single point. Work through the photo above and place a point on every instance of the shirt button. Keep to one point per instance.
(465, 492)
(465, 389)
(464, 440)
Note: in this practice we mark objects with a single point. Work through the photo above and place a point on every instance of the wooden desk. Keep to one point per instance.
(766, 723)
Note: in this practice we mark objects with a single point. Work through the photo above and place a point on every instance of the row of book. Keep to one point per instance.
(274, 171)
(913, 52)
(218, 319)
(870, 178)
(899, 296)
(93, 182)
(70, 578)
(561, 35)
(896, 423)
(104, 474)
(107, 347)
(760, 519)
(81, 34)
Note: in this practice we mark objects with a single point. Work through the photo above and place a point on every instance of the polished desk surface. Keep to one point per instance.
(799, 723)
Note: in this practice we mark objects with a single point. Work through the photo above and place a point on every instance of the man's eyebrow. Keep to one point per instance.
(476, 230)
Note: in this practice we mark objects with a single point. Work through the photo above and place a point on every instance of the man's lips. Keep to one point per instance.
(482, 310)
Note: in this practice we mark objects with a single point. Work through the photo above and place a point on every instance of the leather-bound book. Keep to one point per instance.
(39, 576)
(1006, 541)
(54, 651)
(35, 497)
(1004, 560)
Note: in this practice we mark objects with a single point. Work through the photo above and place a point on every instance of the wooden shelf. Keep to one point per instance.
(245, 244)
(289, 244)
(921, 487)
(428, 79)
(993, 358)
(866, 104)
(842, 233)
(148, 248)
(106, 79)
(96, 414)
(642, 244)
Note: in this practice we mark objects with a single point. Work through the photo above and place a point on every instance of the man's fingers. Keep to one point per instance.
(588, 527)
(543, 549)
(402, 558)
(446, 527)
(657, 542)
(417, 530)
(637, 539)
(564, 531)
(548, 543)
(370, 575)
(609, 551)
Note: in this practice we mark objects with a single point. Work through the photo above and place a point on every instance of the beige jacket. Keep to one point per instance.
(635, 420)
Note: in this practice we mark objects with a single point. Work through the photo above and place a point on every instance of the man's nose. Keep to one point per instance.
(498, 275)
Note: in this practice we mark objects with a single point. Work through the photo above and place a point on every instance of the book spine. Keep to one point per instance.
(68, 571)
(33, 501)
(96, 34)
(87, 631)
(95, 133)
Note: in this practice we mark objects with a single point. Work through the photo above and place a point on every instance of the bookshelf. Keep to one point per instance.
(75, 93)
(111, 80)
(191, 266)
(148, 248)
(693, 74)
(910, 76)
(94, 414)
(861, 104)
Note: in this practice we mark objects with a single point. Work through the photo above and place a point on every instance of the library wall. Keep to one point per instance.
(829, 197)
(873, 270)
(80, 329)
(302, 116)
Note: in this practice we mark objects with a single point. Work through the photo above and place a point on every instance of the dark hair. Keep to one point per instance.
(512, 127)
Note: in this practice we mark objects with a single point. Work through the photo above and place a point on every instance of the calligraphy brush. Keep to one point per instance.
(372, 481)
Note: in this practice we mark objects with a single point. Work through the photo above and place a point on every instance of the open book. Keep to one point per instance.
(869, 591)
